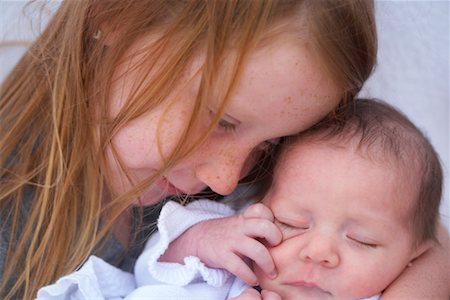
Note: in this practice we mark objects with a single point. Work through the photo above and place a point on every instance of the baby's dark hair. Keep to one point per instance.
(383, 134)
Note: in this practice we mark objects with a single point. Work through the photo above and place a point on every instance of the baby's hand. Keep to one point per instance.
(227, 242)
(252, 294)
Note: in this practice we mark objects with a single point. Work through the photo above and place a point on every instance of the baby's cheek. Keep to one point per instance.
(363, 282)
(264, 281)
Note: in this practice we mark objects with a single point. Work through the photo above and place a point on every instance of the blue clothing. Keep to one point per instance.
(113, 252)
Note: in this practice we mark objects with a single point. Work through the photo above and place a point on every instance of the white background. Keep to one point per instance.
(412, 71)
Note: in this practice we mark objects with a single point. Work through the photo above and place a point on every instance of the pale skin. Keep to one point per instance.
(436, 263)
(344, 219)
(403, 284)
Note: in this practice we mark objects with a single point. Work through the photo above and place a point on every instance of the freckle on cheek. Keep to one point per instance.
(229, 159)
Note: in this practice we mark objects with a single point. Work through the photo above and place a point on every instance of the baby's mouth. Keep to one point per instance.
(310, 288)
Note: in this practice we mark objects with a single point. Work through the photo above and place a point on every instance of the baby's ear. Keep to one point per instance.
(422, 248)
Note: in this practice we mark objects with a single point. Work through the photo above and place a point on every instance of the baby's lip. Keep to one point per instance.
(303, 283)
(309, 285)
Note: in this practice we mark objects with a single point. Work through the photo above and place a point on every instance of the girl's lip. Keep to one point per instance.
(167, 186)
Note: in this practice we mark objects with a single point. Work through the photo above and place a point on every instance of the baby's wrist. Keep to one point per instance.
(183, 246)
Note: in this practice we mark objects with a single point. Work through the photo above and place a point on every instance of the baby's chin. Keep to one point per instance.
(290, 292)
(296, 293)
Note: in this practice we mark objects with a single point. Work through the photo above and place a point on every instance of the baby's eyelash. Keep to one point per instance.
(361, 243)
(287, 226)
(281, 224)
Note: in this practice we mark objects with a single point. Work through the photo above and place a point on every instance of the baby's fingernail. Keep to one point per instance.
(273, 274)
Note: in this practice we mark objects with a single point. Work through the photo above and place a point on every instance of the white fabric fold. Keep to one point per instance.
(95, 280)
(173, 221)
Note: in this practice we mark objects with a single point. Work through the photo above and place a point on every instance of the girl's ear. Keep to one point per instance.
(422, 248)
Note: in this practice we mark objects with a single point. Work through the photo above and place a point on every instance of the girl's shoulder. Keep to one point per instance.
(6, 223)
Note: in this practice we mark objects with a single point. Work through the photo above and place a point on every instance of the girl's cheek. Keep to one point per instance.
(251, 161)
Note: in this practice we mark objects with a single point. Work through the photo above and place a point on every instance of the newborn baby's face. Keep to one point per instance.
(344, 221)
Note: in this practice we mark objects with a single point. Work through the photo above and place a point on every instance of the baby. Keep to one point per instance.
(356, 203)
(356, 199)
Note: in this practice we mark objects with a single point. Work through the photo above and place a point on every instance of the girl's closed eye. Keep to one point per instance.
(226, 126)
(226, 123)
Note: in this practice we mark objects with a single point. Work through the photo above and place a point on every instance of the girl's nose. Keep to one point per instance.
(320, 250)
(222, 172)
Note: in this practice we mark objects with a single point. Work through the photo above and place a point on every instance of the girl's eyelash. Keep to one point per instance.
(224, 124)
(227, 126)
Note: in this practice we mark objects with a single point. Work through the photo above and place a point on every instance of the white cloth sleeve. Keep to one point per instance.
(95, 280)
(174, 219)
(237, 288)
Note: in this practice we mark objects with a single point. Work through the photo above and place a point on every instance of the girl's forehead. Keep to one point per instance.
(281, 82)
(285, 81)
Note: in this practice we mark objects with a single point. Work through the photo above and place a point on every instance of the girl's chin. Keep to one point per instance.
(151, 197)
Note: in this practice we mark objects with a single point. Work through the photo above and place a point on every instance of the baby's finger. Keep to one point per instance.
(269, 295)
(258, 253)
(260, 228)
(258, 210)
(236, 265)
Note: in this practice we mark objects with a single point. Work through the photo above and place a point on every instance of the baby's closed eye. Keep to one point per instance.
(360, 241)
(290, 230)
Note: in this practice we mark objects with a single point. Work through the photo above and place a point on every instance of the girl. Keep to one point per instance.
(119, 104)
